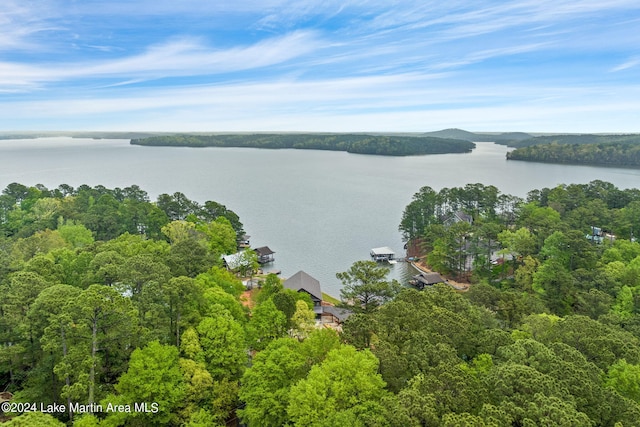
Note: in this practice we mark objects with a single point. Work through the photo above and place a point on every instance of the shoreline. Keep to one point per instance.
(462, 287)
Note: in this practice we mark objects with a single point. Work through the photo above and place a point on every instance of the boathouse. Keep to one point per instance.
(422, 280)
(265, 255)
(382, 254)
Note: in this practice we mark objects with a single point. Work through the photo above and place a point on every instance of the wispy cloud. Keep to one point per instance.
(301, 64)
(483, 55)
(409, 102)
(20, 22)
(631, 63)
(182, 57)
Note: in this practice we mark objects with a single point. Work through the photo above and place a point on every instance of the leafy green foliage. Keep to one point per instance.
(153, 376)
(344, 387)
(364, 286)
(267, 323)
(550, 336)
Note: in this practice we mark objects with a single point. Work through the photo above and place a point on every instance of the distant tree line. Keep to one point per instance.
(625, 154)
(572, 139)
(352, 143)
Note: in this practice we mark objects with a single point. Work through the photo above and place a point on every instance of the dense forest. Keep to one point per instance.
(110, 300)
(573, 139)
(522, 139)
(351, 143)
(621, 154)
(550, 332)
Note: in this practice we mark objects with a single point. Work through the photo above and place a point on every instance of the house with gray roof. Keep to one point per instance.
(458, 216)
(337, 315)
(302, 282)
(234, 261)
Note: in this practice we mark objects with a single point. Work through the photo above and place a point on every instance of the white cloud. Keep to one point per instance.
(183, 57)
(20, 22)
(633, 62)
(407, 102)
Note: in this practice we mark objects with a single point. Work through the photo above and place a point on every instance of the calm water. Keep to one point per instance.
(319, 210)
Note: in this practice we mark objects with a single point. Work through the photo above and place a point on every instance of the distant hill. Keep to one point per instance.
(513, 136)
(454, 134)
(497, 137)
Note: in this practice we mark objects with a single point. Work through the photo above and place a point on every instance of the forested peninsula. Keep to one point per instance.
(572, 139)
(621, 154)
(385, 145)
(111, 300)
(622, 150)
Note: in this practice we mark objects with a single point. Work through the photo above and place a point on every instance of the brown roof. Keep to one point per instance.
(263, 251)
(429, 278)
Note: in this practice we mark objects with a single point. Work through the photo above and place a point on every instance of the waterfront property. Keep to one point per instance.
(598, 235)
(335, 315)
(265, 255)
(422, 280)
(382, 254)
(458, 216)
(302, 282)
(233, 261)
(342, 237)
(240, 263)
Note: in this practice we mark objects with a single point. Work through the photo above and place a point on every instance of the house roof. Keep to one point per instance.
(385, 250)
(236, 260)
(341, 314)
(429, 278)
(460, 216)
(264, 250)
(301, 281)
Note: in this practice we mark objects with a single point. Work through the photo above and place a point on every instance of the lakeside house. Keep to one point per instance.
(335, 315)
(302, 282)
(326, 314)
(598, 235)
(456, 217)
(243, 242)
(234, 262)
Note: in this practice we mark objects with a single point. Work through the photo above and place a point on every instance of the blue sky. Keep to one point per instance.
(270, 65)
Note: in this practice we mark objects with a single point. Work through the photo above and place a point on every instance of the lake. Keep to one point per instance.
(318, 210)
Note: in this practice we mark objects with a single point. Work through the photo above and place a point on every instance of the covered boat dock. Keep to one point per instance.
(382, 254)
